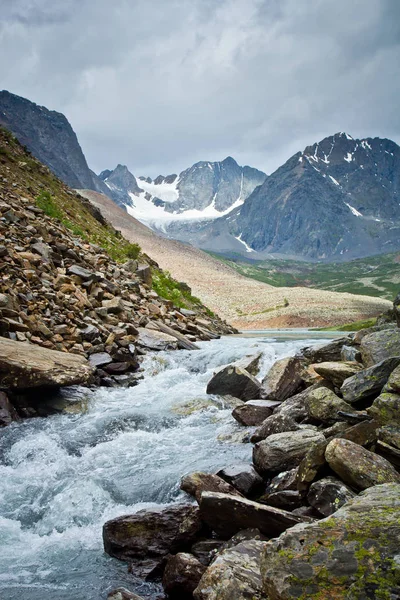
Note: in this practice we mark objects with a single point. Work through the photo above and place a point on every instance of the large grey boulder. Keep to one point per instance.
(368, 382)
(357, 466)
(226, 515)
(336, 372)
(323, 405)
(24, 365)
(156, 340)
(234, 381)
(380, 345)
(283, 451)
(283, 379)
(351, 555)
(325, 352)
(279, 423)
(386, 409)
(234, 574)
(393, 383)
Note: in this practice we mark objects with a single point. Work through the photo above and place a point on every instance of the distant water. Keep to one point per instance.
(63, 476)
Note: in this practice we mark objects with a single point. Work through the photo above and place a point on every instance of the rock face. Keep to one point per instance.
(359, 467)
(25, 366)
(234, 381)
(380, 345)
(152, 533)
(368, 382)
(351, 554)
(226, 515)
(282, 380)
(234, 574)
(283, 451)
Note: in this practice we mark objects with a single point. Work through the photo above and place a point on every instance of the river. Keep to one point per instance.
(63, 476)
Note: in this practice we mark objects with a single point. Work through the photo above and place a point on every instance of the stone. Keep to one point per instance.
(122, 593)
(328, 495)
(154, 533)
(24, 365)
(279, 423)
(100, 359)
(226, 515)
(249, 363)
(283, 451)
(283, 379)
(243, 477)
(336, 372)
(182, 575)
(349, 555)
(234, 381)
(350, 353)
(368, 382)
(380, 345)
(311, 465)
(285, 499)
(144, 273)
(386, 409)
(197, 483)
(234, 574)
(254, 412)
(357, 466)
(295, 407)
(286, 480)
(8, 414)
(90, 333)
(390, 434)
(363, 434)
(83, 273)
(325, 352)
(113, 306)
(205, 550)
(156, 340)
(324, 405)
(393, 383)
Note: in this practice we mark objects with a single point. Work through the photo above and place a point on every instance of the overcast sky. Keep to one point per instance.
(161, 84)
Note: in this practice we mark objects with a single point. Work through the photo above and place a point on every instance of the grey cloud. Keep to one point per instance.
(161, 84)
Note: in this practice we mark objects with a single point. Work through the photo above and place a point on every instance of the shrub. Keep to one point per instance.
(46, 202)
(133, 250)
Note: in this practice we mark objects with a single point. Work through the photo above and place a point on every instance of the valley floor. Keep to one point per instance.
(243, 302)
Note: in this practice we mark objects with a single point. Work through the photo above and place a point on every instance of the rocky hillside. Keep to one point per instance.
(72, 283)
(336, 200)
(48, 135)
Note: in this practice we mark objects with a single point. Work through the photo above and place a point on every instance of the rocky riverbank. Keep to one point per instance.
(317, 513)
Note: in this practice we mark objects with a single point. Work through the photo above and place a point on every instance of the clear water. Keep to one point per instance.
(63, 476)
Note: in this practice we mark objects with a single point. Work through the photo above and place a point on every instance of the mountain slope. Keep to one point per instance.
(337, 200)
(49, 136)
(246, 303)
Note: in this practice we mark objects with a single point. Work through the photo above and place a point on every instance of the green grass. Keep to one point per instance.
(355, 326)
(169, 288)
(46, 202)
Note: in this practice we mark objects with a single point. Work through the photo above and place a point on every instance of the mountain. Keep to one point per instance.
(48, 135)
(205, 190)
(336, 200)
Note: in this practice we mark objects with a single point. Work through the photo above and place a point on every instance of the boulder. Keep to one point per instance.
(279, 423)
(336, 372)
(363, 434)
(100, 359)
(328, 495)
(83, 273)
(226, 515)
(8, 414)
(144, 273)
(243, 477)
(350, 353)
(325, 352)
(24, 365)
(156, 340)
(181, 576)
(283, 379)
(153, 533)
(286, 480)
(390, 435)
(350, 555)
(323, 405)
(357, 466)
(205, 550)
(393, 383)
(249, 363)
(283, 451)
(380, 345)
(234, 574)
(113, 306)
(386, 409)
(369, 382)
(254, 412)
(197, 483)
(123, 594)
(234, 381)
(311, 465)
(285, 499)
(295, 407)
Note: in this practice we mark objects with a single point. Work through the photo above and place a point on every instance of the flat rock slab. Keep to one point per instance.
(234, 574)
(283, 379)
(156, 340)
(370, 381)
(197, 483)
(254, 412)
(350, 555)
(234, 381)
(336, 372)
(243, 477)
(24, 366)
(226, 515)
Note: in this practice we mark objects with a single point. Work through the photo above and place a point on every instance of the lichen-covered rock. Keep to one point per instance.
(323, 405)
(351, 555)
(254, 412)
(283, 451)
(283, 379)
(197, 483)
(328, 495)
(226, 515)
(181, 576)
(336, 372)
(393, 383)
(325, 352)
(390, 435)
(311, 465)
(357, 466)
(295, 407)
(243, 477)
(386, 409)
(234, 574)
(279, 423)
(24, 365)
(368, 382)
(153, 533)
(234, 381)
(380, 345)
